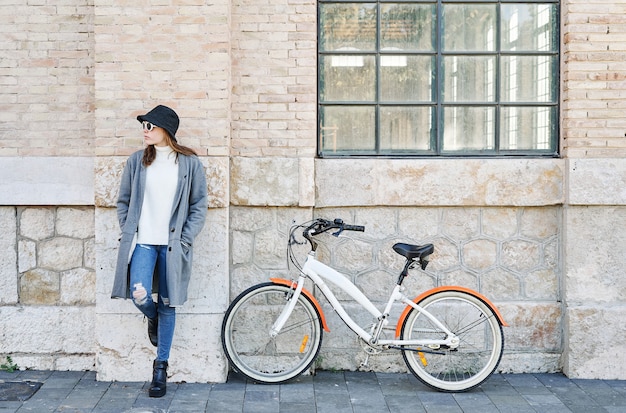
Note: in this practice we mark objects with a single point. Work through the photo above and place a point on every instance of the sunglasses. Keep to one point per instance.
(148, 126)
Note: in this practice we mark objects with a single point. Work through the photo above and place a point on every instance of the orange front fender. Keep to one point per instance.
(449, 288)
(307, 293)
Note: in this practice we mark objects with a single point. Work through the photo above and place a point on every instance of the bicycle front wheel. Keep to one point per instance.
(479, 351)
(246, 334)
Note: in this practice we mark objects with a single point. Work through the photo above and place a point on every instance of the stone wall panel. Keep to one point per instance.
(75, 222)
(39, 287)
(37, 223)
(265, 181)
(595, 255)
(587, 354)
(440, 182)
(541, 285)
(27, 333)
(27, 253)
(60, 253)
(108, 173)
(77, 287)
(499, 223)
(501, 284)
(521, 255)
(46, 180)
(480, 254)
(125, 353)
(534, 326)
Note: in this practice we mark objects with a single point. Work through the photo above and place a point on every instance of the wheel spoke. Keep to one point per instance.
(246, 334)
(479, 332)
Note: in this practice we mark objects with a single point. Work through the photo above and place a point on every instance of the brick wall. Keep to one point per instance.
(274, 78)
(594, 78)
(160, 52)
(46, 78)
(54, 53)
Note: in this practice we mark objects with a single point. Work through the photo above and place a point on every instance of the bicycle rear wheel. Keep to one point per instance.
(246, 334)
(476, 326)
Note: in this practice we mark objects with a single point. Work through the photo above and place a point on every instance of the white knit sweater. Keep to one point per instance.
(158, 198)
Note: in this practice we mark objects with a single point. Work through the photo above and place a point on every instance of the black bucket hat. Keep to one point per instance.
(163, 117)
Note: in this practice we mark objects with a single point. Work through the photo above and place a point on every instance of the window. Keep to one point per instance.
(442, 78)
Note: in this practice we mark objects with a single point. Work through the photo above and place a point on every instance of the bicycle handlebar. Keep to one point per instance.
(321, 225)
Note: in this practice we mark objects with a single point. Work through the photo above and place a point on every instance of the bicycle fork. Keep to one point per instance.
(292, 299)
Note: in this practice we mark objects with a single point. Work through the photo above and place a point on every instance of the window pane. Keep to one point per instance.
(406, 78)
(407, 27)
(438, 77)
(347, 78)
(527, 79)
(469, 79)
(468, 128)
(405, 128)
(469, 27)
(347, 26)
(348, 128)
(527, 128)
(528, 27)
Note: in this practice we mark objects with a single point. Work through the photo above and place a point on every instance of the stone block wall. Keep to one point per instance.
(509, 254)
(123, 351)
(495, 230)
(49, 302)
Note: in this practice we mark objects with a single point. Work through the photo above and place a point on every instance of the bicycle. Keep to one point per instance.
(450, 337)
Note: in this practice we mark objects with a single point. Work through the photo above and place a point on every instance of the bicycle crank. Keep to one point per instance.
(369, 348)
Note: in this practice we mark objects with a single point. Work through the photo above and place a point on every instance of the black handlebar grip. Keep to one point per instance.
(359, 228)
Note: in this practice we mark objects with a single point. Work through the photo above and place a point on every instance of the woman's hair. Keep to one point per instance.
(149, 154)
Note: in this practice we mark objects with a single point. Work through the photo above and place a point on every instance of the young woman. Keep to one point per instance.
(161, 208)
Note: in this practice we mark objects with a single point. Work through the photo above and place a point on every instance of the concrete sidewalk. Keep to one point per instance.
(332, 392)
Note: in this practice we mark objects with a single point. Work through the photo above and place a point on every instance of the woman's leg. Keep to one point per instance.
(167, 314)
(167, 322)
(141, 270)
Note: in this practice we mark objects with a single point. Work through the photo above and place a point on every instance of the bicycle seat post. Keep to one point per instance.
(405, 271)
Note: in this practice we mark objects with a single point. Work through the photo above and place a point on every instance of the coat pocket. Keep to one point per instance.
(133, 244)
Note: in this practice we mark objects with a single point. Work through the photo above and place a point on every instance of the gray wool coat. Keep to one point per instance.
(188, 215)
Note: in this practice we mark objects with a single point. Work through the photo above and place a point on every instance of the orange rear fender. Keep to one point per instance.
(449, 288)
(307, 293)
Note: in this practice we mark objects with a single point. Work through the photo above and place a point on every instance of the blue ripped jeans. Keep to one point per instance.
(142, 265)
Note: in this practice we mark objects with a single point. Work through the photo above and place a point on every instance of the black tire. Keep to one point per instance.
(246, 334)
(481, 341)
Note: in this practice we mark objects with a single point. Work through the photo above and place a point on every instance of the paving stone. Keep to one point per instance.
(18, 390)
(399, 403)
(327, 392)
(290, 407)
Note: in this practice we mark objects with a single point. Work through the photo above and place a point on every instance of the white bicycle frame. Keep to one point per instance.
(316, 271)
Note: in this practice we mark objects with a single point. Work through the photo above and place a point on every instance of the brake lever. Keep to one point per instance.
(339, 222)
(318, 229)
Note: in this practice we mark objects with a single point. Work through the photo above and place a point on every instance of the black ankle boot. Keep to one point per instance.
(159, 379)
(153, 329)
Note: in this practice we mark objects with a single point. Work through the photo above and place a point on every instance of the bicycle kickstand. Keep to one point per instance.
(365, 362)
